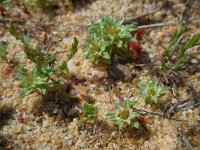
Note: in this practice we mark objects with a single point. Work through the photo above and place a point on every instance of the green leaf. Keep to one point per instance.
(143, 86)
(74, 48)
(191, 43)
(133, 40)
(106, 55)
(126, 104)
(133, 104)
(155, 99)
(83, 120)
(152, 91)
(91, 121)
(111, 116)
(118, 106)
(131, 28)
(120, 123)
(174, 41)
(120, 44)
(135, 114)
(21, 73)
(90, 110)
(178, 34)
(62, 68)
(136, 125)
(107, 38)
(3, 51)
(13, 31)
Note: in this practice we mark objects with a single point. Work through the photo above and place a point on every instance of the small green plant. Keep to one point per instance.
(3, 52)
(90, 113)
(175, 56)
(108, 38)
(152, 91)
(39, 79)
(34, 54)
(125, 114)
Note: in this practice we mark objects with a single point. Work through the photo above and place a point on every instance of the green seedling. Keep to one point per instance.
(39, 79)
(34, 54)
(152, 91)
(125, 114)
(175, 56)
(90, 113)
(107, 39)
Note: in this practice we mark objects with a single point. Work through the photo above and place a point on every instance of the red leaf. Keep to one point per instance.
(136, 49)
(2, 9)
(140, 34)
(143, 31)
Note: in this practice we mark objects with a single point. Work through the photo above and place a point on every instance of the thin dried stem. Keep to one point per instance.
(184, 138)
(158, 25)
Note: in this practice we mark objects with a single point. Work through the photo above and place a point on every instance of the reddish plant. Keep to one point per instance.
(2, 9)
(136, 47)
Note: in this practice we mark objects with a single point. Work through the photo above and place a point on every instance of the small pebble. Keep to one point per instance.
(194, 61)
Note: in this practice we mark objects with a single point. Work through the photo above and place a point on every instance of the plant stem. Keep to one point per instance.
(158, 25)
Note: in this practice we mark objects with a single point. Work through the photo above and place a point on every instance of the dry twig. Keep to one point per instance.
(184, 138)
(131, 20)
(157, 114)
(158, 25)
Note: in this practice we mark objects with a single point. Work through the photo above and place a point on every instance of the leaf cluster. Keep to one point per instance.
(152, 91)
(38, 80)
(90, 112)
(124, 114)
(175, 56)
(108, 38)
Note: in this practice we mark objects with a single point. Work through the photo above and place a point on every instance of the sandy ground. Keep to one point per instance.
(53, 123)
